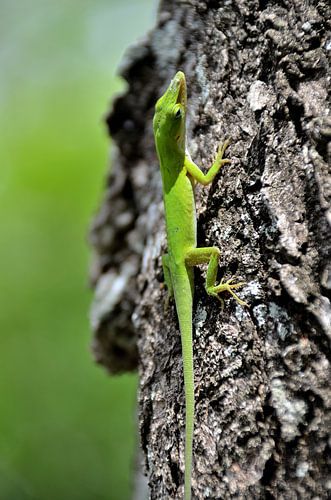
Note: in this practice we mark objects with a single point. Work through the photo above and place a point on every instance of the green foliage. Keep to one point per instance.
(66, 428)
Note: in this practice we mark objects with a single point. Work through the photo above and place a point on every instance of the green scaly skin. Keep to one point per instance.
(179, 175)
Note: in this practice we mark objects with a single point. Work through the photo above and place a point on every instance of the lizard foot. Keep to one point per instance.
(228, 286)
(220, 153)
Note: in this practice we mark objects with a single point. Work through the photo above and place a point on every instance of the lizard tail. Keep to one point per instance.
(187, 349)
(184, 311)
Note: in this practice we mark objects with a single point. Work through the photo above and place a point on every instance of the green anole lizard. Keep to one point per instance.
(179, 175)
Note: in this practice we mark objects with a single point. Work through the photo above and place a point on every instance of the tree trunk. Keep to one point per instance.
(257, 72)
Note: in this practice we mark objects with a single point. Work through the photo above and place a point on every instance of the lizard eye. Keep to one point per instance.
(178, 113)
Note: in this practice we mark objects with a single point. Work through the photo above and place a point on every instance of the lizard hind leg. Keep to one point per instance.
(210, 256)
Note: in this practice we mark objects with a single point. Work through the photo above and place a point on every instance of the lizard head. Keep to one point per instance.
(170, 112)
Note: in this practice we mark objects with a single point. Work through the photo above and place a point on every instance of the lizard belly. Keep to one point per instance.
(181, 218)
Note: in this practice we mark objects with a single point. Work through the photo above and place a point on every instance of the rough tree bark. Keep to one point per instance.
(257, 72)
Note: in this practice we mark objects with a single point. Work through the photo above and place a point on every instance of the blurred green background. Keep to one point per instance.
(66, 428)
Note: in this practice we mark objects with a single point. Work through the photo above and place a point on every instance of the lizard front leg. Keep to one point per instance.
(204, 179)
